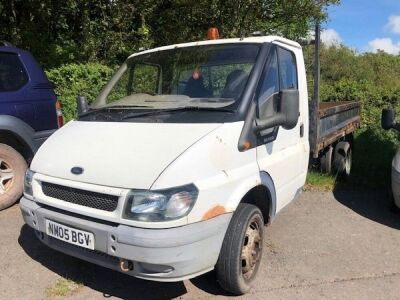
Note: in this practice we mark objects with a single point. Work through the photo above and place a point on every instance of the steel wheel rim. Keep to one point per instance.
(251, 249)
(6, 176)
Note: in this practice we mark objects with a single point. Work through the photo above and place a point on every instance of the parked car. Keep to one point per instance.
(389, 122)
(29, 113)
(185, 155)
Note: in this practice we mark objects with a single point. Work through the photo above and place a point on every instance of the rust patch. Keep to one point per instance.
(213, 212)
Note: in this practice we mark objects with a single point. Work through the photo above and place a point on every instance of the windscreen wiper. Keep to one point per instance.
(178, 109)
(109, 108)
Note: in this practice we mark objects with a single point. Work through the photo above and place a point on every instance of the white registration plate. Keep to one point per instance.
(70, 235)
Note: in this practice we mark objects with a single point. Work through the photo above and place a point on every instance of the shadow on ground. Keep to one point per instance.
(108, 282)
(374, 205)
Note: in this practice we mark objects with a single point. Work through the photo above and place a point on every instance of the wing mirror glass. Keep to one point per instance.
(288, 115)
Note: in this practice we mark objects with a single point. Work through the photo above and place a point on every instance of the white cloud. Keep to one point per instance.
(393, 24)
(330, 37)
(385, 44)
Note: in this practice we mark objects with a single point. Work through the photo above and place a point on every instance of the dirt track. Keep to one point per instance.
(342, 245)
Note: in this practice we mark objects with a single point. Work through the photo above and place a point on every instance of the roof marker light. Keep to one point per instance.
(212, 33)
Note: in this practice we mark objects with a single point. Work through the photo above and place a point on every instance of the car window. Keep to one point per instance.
(268, 99)
(220, 81)
(287, 69)
(270, 83)
(207, 76)
(145, 78)
(12, 72)
(142, 78)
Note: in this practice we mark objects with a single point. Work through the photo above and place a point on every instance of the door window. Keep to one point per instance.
(287, 69)
(269, 90)
(12, 72)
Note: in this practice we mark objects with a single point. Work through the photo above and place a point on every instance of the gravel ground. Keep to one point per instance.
(340, 245)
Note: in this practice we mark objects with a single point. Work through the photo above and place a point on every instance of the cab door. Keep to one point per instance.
(279, 151)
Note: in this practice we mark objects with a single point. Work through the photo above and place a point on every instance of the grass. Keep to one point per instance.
(62, 287)
(372, 155)
(316, 180)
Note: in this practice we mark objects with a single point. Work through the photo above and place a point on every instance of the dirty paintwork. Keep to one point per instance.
(213, 212)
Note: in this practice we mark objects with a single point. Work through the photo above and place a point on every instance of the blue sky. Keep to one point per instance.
(366, 25)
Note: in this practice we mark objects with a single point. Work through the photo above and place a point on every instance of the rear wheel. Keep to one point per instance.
(12, 172)
(342, 158)
(241, 252)
(326, 161)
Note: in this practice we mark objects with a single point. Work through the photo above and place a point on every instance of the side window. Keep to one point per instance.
(269, 89)
(287, 69)
(270, 84)
(12, 72)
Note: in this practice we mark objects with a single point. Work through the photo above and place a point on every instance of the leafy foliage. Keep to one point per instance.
(373, 79)
(77, 31)
(77, 79)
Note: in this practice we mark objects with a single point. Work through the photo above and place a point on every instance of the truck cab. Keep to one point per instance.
(184, 157)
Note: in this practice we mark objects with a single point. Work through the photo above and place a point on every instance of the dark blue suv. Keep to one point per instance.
(29, 113)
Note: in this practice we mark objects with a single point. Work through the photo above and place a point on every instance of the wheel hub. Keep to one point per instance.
(6, 176)
(251, 250)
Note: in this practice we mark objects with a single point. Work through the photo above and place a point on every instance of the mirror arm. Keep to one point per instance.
(277, 119)
(396, 126)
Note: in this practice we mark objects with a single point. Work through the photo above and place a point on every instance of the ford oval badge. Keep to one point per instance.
(77, 170)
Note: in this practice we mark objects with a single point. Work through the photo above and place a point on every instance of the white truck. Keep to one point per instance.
(184, 156)
(389, 122)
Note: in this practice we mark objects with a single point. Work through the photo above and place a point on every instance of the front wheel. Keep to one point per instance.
(241, 252)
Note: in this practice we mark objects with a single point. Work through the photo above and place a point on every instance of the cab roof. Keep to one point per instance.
(254, 40)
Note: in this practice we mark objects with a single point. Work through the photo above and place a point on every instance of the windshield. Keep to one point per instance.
(210, 76)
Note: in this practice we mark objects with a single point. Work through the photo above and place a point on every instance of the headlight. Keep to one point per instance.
(28, 183)
(163, 205)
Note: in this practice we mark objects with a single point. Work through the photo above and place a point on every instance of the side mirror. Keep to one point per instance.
(82, 105)
(288, 115)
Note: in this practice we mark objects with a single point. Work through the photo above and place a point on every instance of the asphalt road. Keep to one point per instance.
(341, 245)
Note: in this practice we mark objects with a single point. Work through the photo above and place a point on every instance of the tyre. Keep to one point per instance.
(12, 172)
(342, 158)
(326, 161)
(241, 251)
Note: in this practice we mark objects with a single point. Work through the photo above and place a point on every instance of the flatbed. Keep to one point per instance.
(335, 121)
(331, 126)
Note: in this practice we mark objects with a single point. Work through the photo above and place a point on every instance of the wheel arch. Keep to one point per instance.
(17, 134)
(263, 196)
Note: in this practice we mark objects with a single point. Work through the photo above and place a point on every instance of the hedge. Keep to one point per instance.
(71, 80)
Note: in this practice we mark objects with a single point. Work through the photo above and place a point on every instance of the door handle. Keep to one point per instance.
(301, 130)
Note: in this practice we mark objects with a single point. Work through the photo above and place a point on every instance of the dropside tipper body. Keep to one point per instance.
(333, 122)
(154, 177)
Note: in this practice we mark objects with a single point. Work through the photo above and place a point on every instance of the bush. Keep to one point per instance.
(71, 80)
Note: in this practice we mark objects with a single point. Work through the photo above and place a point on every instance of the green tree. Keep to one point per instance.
(79, 31)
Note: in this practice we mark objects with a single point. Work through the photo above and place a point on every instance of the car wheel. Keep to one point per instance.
(326, 161)
(342, 158)
(241, 251)
(12, 171)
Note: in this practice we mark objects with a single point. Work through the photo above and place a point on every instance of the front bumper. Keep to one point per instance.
(396, 186)
(172, 254)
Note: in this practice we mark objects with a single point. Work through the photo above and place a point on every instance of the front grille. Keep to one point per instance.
(81, 197)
